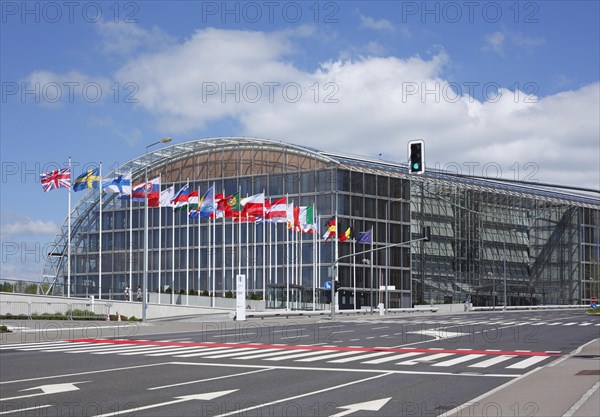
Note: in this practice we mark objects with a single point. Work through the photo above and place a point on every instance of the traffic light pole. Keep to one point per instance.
(426, 237)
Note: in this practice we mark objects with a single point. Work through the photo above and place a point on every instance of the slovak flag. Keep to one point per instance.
(153, 189)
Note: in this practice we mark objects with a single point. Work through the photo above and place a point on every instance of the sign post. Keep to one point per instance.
(240, 297)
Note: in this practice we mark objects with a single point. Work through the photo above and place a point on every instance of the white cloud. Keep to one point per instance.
(122, 38)
(367, 105)
(376, 105)
(368, 22)
(500, 40)
(495, 42)
(15, 224)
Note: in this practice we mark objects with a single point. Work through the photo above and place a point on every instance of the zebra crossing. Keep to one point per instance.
(401, 357)
(476, 322)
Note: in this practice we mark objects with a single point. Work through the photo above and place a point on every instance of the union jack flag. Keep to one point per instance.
(59, 178)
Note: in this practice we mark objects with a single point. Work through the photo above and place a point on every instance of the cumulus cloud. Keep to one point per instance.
(15, 224)
(366, 105)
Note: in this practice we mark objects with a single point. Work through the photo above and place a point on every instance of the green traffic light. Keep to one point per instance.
(416, 166)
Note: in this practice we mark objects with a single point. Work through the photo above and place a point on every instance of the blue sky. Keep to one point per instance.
(498, 88)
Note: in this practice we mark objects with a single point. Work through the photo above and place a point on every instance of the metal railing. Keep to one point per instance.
(57, 311)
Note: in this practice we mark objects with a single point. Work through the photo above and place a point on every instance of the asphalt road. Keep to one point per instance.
(361, 366)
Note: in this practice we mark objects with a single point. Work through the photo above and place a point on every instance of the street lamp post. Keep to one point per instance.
(368, 262)
(504, 272)
(145, 275)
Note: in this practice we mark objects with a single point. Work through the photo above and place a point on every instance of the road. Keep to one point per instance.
(361, 366)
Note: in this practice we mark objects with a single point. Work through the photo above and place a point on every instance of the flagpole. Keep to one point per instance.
(248, 250)
(100, 233)
(173, 252)
(372, 239)
(209, 284)
(187, 250)
(159, 239)
(69, 238)
(130, 295)
(264, 254)
(214, 249)
(335, 256)
(223, 247)
(287, 254)
(232, 255)
(314, 259)
(354, 270)
(239, 234)
(199, 243)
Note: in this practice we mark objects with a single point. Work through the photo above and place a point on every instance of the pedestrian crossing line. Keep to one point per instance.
(492, 361)
(113, 349)
(178, 351)
(238, 352)
(204, 352)
(460, 359)
(326, 357)
(77, 349)
(49, 346)
(272, 352)
(437, 357)
(526, 363)
(359, 358)
(294, 356)
(569, 324)
(427, 358)
(154, 349)
(59, 349)
(393, 358)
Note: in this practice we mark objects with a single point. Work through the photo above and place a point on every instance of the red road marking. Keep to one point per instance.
(321, 348)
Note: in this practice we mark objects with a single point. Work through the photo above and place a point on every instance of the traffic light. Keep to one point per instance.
(426, 233)
(416, 156)
(336, 285)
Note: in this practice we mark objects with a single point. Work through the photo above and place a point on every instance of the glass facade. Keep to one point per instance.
(493, 244)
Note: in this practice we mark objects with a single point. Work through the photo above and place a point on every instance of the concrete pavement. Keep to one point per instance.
(568, 387)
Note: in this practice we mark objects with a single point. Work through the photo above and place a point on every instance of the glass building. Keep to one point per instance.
(492, 241)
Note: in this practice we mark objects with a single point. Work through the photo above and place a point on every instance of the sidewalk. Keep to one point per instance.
(568, 387)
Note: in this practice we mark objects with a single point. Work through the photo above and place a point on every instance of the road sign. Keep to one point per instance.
(327, 285)
(240, 297)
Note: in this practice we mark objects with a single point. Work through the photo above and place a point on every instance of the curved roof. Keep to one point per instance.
(166, 155)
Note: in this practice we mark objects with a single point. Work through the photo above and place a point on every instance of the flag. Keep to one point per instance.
(121, 185)
(88, 180)
(277, 211)
(297, 218)
(166, 196)
(364, 238)
(331, 229)
(207, 203)
(193, 201)
(218, 214)
(180, 200)
(306, 219)
(346, 235)
(254, 205)
(230, 206)
(289, 217)
(59, 178)
(153, 188)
